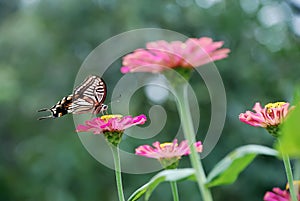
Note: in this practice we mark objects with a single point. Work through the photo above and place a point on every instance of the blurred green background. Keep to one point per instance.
(43, 44)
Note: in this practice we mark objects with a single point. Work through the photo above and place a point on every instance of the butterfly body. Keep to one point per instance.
(88, 97)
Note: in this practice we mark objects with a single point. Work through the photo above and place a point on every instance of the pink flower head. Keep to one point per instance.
(269, 117)
(278, 195)
(110, 123)
(160, 55)
(167, 153)
(272, 114)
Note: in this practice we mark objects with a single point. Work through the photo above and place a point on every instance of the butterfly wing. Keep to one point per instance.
(89, 96)
(100, 94)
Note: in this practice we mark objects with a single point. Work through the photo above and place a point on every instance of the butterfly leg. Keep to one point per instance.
(46, 117)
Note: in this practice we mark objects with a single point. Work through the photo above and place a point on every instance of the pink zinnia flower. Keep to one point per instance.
(112, 126)
(159, 55)
(167, 153)
(278, 195)
(110, 123)
(270, 117)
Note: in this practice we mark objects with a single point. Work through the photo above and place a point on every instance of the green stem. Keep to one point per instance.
(188, 129)
(174, 190)
(116, 156)
(289, 175)
(297, 175)
(297, 170)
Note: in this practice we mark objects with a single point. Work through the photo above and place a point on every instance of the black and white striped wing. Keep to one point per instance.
(89, 96)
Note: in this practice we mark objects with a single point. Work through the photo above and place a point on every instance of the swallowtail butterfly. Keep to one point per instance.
(88, 97)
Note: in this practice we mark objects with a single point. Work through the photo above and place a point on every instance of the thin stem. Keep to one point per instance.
(297, 170)
(116, 156)
(188, 129)
(289, 175)
(297, 175)
(174, 190)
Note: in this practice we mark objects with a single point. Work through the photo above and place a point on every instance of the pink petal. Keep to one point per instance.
(97, 125)
(125, 69)
(277, 195)
(257, 108)
(170, 150)
(160, 55)
(264, 117)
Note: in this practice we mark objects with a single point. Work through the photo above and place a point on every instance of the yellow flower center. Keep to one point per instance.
(166, 144)
(271, 106)
(296, 185)
(110, 116)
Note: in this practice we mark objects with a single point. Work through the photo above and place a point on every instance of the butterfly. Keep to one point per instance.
(88, 97)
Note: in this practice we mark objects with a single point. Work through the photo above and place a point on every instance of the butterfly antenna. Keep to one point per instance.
(43, 109)
(45, 117)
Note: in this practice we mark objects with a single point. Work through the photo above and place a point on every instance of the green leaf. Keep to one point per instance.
(290, 138)
(163, 176)
(229, 168)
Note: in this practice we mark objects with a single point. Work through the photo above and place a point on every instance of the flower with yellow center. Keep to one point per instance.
(110, 116)
(269, 117)
(169, 153)
(112, 126)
